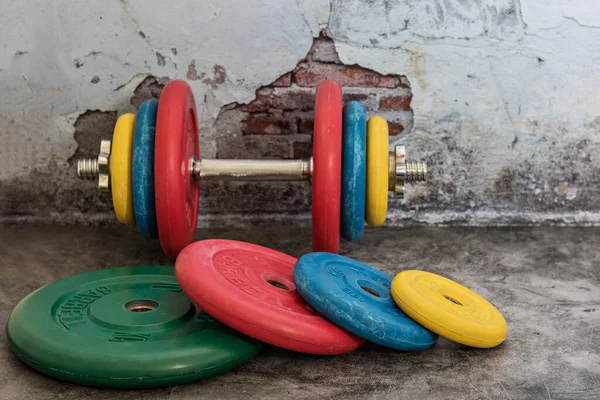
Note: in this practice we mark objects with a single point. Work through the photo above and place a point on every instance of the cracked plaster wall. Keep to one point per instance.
(503, 93)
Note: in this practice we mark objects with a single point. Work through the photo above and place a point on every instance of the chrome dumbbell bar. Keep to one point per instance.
(400, 170)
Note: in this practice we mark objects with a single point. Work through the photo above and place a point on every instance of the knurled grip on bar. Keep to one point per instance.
(252, 170)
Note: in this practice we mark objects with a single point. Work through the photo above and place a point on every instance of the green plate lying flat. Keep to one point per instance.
(127, 327)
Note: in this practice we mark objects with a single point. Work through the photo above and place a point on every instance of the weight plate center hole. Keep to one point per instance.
(278, 284)
(453, 300)
(141, 305)
(370, 291)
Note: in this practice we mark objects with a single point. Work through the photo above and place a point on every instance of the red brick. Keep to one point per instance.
(396, 103)
(404, 82)
(346, 76)
(354, 97)
(395, 128)
(283, 80)
(269, 124)
(261, 103)
(267, 147)
(323, 50)
(302, 150)
(294, 99)
(306, 125)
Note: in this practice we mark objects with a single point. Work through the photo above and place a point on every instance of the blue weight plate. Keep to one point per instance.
(143, 169)
(357, 297)
(354, 164)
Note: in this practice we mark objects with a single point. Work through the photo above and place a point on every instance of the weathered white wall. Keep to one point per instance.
(505, 96)
(505, 100)
(53, 52)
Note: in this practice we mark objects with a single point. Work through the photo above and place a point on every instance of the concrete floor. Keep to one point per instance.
(546, 282)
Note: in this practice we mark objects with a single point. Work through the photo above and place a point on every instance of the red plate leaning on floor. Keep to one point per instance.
(251, 289)
(176, 142)
(327, 168)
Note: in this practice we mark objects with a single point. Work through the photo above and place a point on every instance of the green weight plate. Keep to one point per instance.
(127, 327)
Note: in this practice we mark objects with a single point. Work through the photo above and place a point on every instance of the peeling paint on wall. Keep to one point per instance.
(278, 124)
(90, 128)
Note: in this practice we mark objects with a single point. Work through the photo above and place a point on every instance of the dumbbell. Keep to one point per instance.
(152, 169)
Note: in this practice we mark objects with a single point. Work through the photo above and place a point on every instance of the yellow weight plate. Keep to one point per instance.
(120, 169)
(377, 171)
(449, 309)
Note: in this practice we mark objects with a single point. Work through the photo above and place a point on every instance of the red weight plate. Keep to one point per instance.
(251, 289)
(327, 168)
(176, 142)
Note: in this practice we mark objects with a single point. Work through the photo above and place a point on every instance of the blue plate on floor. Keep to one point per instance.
(354, 166)
(357, 297)
(143, 169)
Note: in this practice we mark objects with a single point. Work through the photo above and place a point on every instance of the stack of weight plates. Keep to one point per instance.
(134, 327)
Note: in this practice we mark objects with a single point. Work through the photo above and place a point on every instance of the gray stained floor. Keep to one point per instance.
(544, 280)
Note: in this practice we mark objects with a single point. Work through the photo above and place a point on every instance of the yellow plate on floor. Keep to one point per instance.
(449, 309)
(120, 169)
(377, 171)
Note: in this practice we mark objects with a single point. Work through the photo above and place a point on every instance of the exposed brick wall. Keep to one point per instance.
(278, 123)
